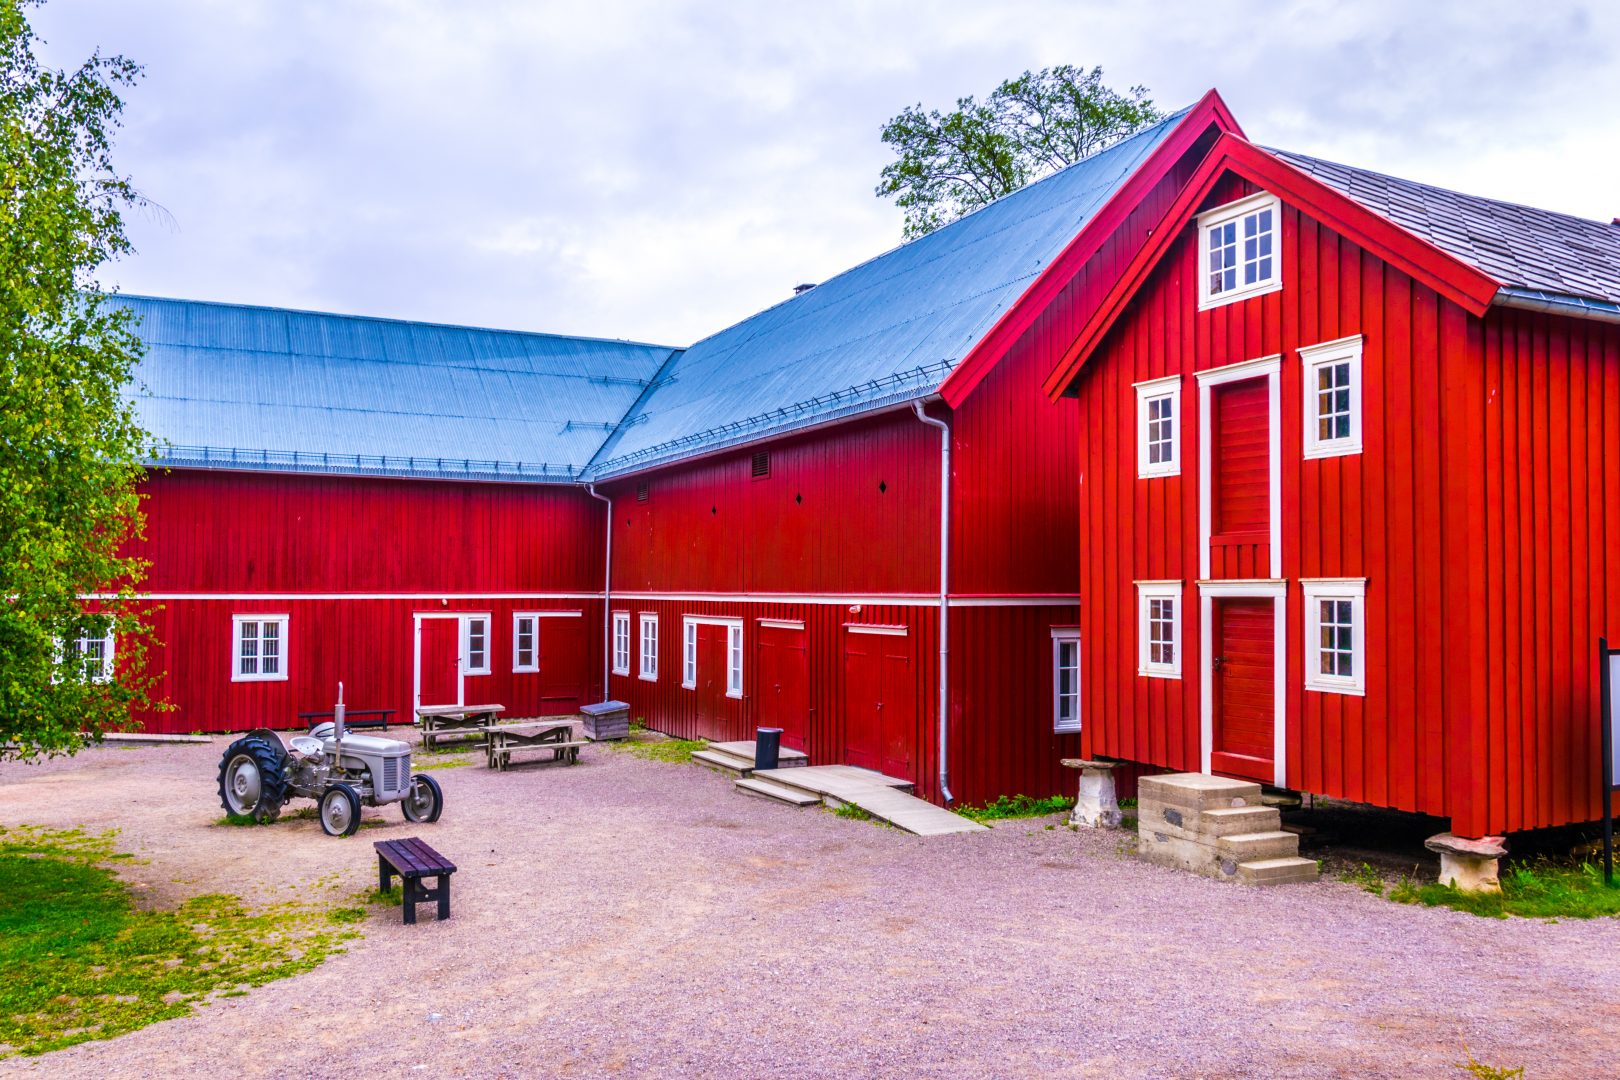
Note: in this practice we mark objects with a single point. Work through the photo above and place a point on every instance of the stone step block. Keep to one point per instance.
(1239, 819)
(1250, 847)
(723, 763)
(1197, 791)
(1285, 871)
(766, 789)
(1179, 853)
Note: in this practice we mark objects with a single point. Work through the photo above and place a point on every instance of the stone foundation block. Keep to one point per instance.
(1469, 865)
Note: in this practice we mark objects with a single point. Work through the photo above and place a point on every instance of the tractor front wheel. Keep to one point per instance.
(340, 810)
(424, 802)
(253, 779)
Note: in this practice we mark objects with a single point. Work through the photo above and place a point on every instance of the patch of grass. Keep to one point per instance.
(394, 895)
(1365, 877)
(81, 962)
(344, 915)
(1482, 1071)
(447, 763)
(1128, 822)
(1019, 806)
(851, 812)
(239, 822)
(1540, 890)
(658, 748)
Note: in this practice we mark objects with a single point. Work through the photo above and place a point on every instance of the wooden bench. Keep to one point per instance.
(355, 718)
(554, 735)
(413, 860)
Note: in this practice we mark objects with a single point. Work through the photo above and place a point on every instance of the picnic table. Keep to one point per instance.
(471, 720)
(355, 718)
(504, 740)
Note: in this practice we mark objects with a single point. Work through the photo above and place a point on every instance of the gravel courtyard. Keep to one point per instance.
(638, 918)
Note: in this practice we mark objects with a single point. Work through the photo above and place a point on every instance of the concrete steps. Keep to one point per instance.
(737, 758)
(782, 793)
(1219, 828)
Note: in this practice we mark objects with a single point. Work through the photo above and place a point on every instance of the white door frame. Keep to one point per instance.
(1269, 367)
(1208, 593)
(461, 660)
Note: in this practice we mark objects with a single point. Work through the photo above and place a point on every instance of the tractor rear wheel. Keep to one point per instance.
(424, 802)
(340, 810)
(253, 779)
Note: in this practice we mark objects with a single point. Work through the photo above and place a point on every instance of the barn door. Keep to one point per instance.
(562, 663)
(1243, 685)
(879, 699)
(438, 661)
(713, 709)
(1240, 479)
(782, 682)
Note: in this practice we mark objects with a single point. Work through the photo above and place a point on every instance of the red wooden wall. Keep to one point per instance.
(1478, 512)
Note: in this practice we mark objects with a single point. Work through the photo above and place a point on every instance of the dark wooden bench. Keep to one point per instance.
(355, 718)
(413, 860)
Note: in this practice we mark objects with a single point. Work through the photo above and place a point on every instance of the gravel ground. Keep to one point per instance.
(636, 918)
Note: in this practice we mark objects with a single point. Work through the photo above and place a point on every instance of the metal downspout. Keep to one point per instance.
(944, 597)
(607, 596)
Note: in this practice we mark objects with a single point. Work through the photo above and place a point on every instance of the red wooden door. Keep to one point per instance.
(438, 662)
(899, 706)
(1240, 479)
(713, 708)
(562, 664)
(782, 683)
(1244, 656)
(879, 702)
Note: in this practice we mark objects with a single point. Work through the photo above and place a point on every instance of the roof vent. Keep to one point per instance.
(761, 464)
(800, 290)
(641, 491)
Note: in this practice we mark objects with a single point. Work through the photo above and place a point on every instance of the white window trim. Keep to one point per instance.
(734, 660)
(1060, 638)
(1315, 356)
(1158, 590)
(621, 661)
(648, 671)
(1208, 593)
(1220, 215)
(466, 643)
(734, 633)
(61, 660)
(1153, 390)
(1354, 590)
(534, 642)
(1271, 368)
(285, 655)
(689, 653)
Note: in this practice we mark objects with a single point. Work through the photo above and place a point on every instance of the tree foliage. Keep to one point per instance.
(70, 445)
(1031, 126)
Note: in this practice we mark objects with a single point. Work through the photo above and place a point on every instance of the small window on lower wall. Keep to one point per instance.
(525, 646)
(734, 660)
(689, 654)
(475, 644)
(621, 643)
(649, 646)
(1158, 629)
(258, 648)
(1065, 681)
(1336, 635)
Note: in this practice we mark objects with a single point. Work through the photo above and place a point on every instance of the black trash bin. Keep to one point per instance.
(767, 747)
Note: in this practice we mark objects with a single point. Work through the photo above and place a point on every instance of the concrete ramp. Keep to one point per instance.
(883, 797)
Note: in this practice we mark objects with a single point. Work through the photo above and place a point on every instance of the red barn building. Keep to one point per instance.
(1349, 468)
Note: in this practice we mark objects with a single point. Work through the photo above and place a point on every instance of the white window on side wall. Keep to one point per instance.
(1158, 629)
(87, 655)
(1158, 417)
(734, 660)
(475, 644)
(1065, 680)
(258, 648)
(1336, 635)
(689, 654)
(649, 646)
(1331, 374)
(1238, 251)
(621, 643)
(525, 641)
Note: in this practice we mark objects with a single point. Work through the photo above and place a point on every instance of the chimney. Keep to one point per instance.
(800, 290)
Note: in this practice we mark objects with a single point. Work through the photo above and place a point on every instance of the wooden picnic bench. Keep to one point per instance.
(355, 718)
(470, 720)
(413, 860)
(504, 740)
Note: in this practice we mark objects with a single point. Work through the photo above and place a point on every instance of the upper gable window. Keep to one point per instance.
(1238, 250)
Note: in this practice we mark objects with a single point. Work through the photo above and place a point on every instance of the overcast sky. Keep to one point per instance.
(658, 171)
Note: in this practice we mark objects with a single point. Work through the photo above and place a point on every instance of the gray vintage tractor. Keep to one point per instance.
(259, 774)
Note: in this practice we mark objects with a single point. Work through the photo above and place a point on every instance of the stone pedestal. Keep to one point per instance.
(1096, 806)
(1469, 865)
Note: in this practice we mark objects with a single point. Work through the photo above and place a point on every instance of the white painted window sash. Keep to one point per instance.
(525, 625)
(1151, 631)
(621, 643)
(1065, 659)
(1313, 358)
(649, 646)
(1354, 591)
(475, 644)
(1148, 393)
(689, 654)
(1237, 212)
(268, 649)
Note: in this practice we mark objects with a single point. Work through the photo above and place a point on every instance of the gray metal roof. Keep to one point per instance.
(887, 331)
(1537, 251)
(231, 386)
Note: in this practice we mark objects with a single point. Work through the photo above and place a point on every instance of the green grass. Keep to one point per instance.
(1540, 890)
(81, 962)
(455, 762)
(1481, 1071)
(676, 751)
(1019, 806)
(1365, 877)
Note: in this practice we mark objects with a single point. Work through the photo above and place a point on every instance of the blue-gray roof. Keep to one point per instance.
(888, 331)
(232, 386)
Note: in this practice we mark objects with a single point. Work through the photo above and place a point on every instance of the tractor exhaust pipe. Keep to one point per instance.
(337, 728)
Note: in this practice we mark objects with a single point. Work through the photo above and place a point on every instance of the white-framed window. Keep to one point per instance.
(689, 654)
(649, 646)
(1065, 680)
(1331, 383)
(475, 644)
(1336, 635)
(1158, 420)
(525, 641)
(734, 660)
(1239, 254)
(621, 643)
(87, 655)
(1158, 629)
(259, 648)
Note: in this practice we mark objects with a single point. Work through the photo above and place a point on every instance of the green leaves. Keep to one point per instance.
(1029, 127)
(71, 447)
